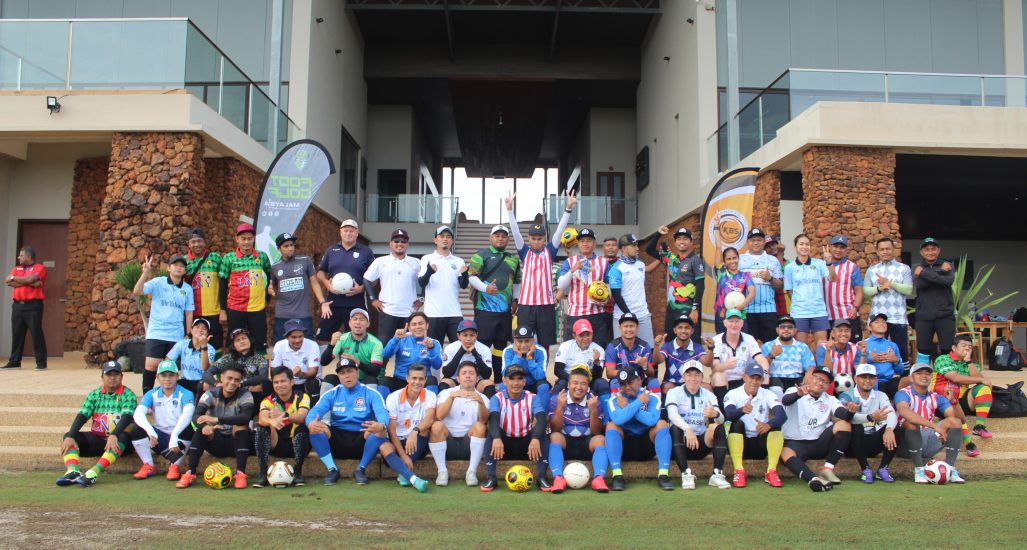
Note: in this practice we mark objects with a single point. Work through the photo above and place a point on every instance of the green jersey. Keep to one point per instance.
(495, 266)
(368, 351)
(106, 408)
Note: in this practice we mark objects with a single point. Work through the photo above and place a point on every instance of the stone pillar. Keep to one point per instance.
(850, 191)
(87, 192)
(766, 207)
(656, 281)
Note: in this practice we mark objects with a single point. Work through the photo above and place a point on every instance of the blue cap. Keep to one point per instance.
(755, 370)
(840, 239)
(293, 325)
(467, 324)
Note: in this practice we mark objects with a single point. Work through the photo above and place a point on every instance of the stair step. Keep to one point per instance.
(36, 400)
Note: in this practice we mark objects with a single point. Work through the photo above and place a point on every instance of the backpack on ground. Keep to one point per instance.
(1008, 402)
(1005, 356)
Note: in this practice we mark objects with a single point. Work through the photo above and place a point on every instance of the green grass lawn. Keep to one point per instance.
(120, 512)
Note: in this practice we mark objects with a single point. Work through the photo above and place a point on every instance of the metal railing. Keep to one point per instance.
(593, 210)
(799, 89)
(412, 208)
(138, 54)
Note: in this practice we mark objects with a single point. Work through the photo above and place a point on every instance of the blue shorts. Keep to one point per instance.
(812, 324)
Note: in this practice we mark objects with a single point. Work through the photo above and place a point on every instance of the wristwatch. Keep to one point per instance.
(416, 429)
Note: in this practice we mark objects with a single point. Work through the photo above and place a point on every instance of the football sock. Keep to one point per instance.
(71, 460)
(720, 392)
(106, 459)
(614, 449)
(886, 457)
(599, 462)
(841, 442)
(556, 459)
(397, 464)
(679, 449)
(982, 401)
(149, 379)
(477, 451)
(490, 461)
(196, 450)
(497, 366)
(663, 446)
(300, 450)
(371, 447)
(966, 433)
(617, 472)
(800, 469)
(736, 443)
(438, 453)
(914, 442)
(262, 447)
(952, 446)
(142, 447)
(241, 438)
(775, 443)
(323, 449)
(719, 447)
(542, 464)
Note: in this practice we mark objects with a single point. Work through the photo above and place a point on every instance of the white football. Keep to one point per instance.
(842, 384)
(280, 474)
(938, 472)
(342, 283)
(577, 475)
(734, 300)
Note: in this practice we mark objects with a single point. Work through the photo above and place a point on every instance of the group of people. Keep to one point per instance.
(482, 390)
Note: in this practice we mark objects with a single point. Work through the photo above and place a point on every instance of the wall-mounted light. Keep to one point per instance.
(666, 58)
(320, 20)
(337, 51)
(690, 21)
(52, 104)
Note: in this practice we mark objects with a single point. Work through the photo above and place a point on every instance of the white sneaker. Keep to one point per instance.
(687, 479)
(954, 477)
(471, 478)
(442, 479)
(718, 480)
(919, 476)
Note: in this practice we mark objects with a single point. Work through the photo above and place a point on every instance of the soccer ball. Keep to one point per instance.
(843, 383)
(576, 475)
(599, 292)
(569, 237)
(937, 472)
(519, 478)
(734, 300)
(342, 283)
(280, 474)
(126, 363)
(217, 476)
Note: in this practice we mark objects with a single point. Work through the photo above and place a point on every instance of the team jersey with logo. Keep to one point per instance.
(442, 294)
(806, 283)
(537, 276)
(515, 415)
(398, 283)
(808, 417)
(690, 407)
(247, 276)
(290, 407)
(292, 285)
(745, 354)
(682, 274)
(463, 413)
(839, 293)
(307, 357)
(571, 355)
(620, 356)
(890, 302)
(577, 419)
(592, 269)
(29, 292)
(945, 364)
(167, 409)
(213, 403)
(202, 274)
(675, 356)
(926, 405)
(753, 264)
(535, 368)
(106, 408)
(628, 275)
(410, 350)
(795, 358)
(727, 283)
(842, 361)
(353, 261)
(635, 417)
(168, 306)
(350, 407)
(409, 416)
(762, 403)
(503, 269)
(867, 405)
(367, 350)
(190, 359)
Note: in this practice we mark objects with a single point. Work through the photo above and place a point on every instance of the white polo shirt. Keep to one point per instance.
(307, 357)
(408, 416)
(398, 283)
(463, 414)
(762, 403)
(809, 417)
(748, 348)
(455, 349)
(442, 295)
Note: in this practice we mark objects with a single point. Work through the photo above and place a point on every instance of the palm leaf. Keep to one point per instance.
(964, 297)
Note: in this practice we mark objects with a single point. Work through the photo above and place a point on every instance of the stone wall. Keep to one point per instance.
(766, 208)
(87, 192)
(850, 191)
(656, 281)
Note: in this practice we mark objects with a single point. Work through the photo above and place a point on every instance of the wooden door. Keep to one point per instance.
(50, 240)
(611, 185)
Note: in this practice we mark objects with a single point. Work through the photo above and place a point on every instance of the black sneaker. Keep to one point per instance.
(298, 481)
(11, 366)
(40, 367)
(360, 475)
(664, 483)
(618, 484)
(68, 478)
(488, 486)
(818, 485)
(545, 485)
(332, 477)
(261, 482)
(85, 481)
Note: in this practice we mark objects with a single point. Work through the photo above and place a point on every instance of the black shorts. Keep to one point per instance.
(253, 321)
(601, 327)
(540, 318)
(762, 326)
(458, 448)
(865, 444)
(216, 331)
(158, 349)
(494, 327)
(339, 321)
(346, 444)
(388, 325)
(577, 448)
(222, 445)
(90, 444)
(638, 448)
(807, 449)
(702, 452)
(514, 448)
(443, 328)
(785, 383)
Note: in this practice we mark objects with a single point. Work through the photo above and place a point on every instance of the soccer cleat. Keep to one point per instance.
(186, 480)
(739, 479)
(867, 476)
(972, 451)
(818, 485)
(40, 367)
(718, 480)
(559, 484)
(884, 475)
(403, 482)
(954, 477)
(687, 480)
(544, 485)
(772, 478)
(919, 476)
(442, 479)
(86, 480)
(618, 483)
(360, 475)
(663, 482)
(828, 475)
(298, 481)
(68, 478)
(173, 473)
(488, 486)
(471, 478)
(332, 477)
(261, 482)
(981, 431)
(240, 480)
(599, 485)
(420, 484)
(145, 471)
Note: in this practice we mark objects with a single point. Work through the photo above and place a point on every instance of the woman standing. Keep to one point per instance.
(730, 279)
(804, 285)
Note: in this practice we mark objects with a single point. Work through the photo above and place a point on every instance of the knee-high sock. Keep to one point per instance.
(262, 444)
(438, 453)
(323, 449)
(614, 450)
(556, 458)
(886, 457)
(241, 439)
(663, 445)
(143, 451)
(497, 366)
(720, 392)
(300, 450)
(477, 451)
(371, 447)
(679, 449)
(599, 462)
(199, 443)
(736, 444)
(542, 464)
(982, 401)
(149, 379)
(800, 469)
(106, 459)
(719, 447)
(71, 460)
(397, 465)
(840, 443)
(914, 443)
(775, 443)
(490, 461)
(952, 446)
(858, 445)
(965, 430)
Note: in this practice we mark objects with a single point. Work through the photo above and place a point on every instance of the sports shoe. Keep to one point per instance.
(544, 485)
(664, 483)
(981, 431)
(739, 479)
(687, 480)
(145, 471)
(972, 451)
(954, 477)
(488, 486)
(298, 481)
(818, 485)
(884, 475)
(11, 366)
(240, 480)
(471, 478)
(828, 475)
(173, 473)
(772, 479)
(68, 478)
(40, 367)
(261, 482)
(618, 483)
(403, 482)
(332, 476)
(867, 476)
(599, 485)
(186, 480)
(919, 476)
(442, 479)
(718, 480)
(360, 475)
(420, 484)
(86, 480)
(559, 484)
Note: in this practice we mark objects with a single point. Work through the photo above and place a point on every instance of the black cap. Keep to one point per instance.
(284, 238)
(586, 233)
(825, 372)
(842, 323)
(345, 364)
(524, 332)
(625, 240)
(756, 232)
(196, 232)
(536, 229)
(683, 232)
(178, 258)
(514, 370)
(683, 318)
(876, 317)
(929, 241)
(400, 233)
(785, 319)
(110, 366)
(627, 375)
(627, 317)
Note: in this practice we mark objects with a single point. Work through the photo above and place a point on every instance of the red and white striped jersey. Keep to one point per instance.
(838, 293)
(842, 362)
(923, 406)
(592, 269)
(537, 276)
(515, 416)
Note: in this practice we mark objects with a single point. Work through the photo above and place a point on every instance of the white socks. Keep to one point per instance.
(477, 450)
(142, 447)
(438, 452)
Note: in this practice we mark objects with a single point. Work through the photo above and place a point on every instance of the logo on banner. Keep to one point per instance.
(301, 159)
(730, 228)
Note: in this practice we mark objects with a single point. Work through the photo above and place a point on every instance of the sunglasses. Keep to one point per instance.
(400, 241)
(786, 327)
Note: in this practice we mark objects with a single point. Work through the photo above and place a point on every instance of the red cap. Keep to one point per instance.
(244, 228)
(582, 325)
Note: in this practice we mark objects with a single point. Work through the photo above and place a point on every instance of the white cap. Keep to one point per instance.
(865, 368)
(498, 228)
(350, 223)
(919, 366)
(693, 364)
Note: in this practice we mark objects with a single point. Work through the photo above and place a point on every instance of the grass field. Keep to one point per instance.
(121, 512)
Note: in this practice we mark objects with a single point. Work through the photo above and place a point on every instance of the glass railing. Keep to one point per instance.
(138, 54)
(593, 211)
(412, 208)
(799, 89)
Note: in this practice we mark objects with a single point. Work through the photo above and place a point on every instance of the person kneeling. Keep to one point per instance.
(810, 432)
(411, 414)
(634, 430)
(459, 429)
(576, 419)
(517, 428)
(918, 435)
(172, 407)
(697, 426)
(281, 430)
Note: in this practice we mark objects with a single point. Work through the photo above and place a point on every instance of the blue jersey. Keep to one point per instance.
(168, 304)
(621, 357)
(410, 350)
(806, 283)
(885, 370)
(535, 367)
(676, 356)
(795, 358)
(350, 408)
(577, 419)
(634, 418)
(189, 358)
(753, 265)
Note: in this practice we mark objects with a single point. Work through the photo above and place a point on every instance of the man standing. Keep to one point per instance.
(494, 273)
(398, 275)
(935, 308)
(350, 257)
(577, 274)
(685, 277)
(844, 294)
(292, 279)
(201, 271)
(171, 310)
(243, 290)
(27, 279)
(627, 285)
(888, 283)
(441, 276)
(768, 277)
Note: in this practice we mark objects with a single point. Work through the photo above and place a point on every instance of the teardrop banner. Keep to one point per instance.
(289, 187)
